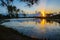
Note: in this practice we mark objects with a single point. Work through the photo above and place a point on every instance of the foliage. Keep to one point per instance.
(30, 2)
(13, 9)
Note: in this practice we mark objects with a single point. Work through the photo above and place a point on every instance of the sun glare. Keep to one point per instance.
(43, 14)
(42, 7)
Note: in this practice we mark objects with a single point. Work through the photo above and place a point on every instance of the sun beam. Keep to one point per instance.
(42, 7)
(43, 13)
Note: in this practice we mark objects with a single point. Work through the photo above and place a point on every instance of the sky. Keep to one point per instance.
(46, 6)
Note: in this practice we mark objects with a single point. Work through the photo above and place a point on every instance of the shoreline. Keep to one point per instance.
(10, 34)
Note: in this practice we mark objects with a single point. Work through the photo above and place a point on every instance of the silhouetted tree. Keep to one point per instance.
(11, 9)
(7, 4)
(30, 2)
(23, 13)
(1, 15)
(15, 10)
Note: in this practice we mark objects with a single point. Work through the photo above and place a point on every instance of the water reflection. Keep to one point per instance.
(43, 25)
(37, 28)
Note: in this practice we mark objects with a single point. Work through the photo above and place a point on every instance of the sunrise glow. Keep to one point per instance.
(43, 7)
(43, 13)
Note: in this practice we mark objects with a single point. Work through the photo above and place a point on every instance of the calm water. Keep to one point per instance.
(35, 28)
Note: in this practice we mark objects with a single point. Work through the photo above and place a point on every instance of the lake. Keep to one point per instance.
(35, 27)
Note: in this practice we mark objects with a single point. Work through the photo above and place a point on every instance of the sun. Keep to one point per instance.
(43, 14)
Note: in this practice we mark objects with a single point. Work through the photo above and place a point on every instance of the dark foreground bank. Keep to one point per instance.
(10, 34)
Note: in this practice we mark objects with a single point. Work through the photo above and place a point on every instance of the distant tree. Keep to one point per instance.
(15, 10)
(23, 13)
(1, 15)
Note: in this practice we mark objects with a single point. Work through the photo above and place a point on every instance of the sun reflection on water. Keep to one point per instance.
(43, 22)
